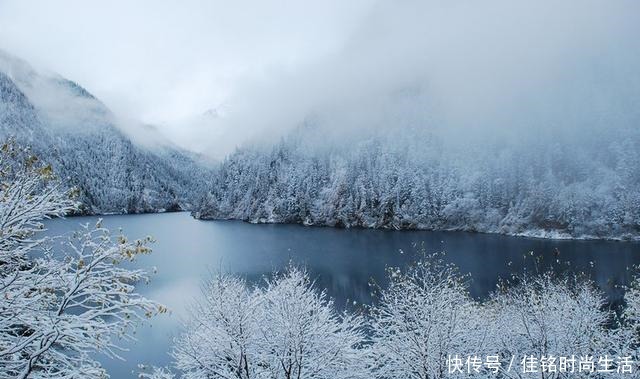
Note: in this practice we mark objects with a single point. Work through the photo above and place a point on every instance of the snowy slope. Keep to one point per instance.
(73, 130)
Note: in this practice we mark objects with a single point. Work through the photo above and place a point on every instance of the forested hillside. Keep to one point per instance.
(554, 186)
(67, 126)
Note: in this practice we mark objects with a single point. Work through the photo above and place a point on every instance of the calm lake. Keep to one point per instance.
(342, 261)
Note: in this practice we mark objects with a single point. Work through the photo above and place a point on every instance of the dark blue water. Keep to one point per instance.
(342, 261)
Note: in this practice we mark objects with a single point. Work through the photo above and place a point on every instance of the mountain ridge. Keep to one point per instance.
(69, 127)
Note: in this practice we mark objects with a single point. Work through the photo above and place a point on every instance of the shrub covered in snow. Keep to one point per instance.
(58, 309)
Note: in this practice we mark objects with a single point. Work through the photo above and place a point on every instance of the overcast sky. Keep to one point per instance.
(266, 65)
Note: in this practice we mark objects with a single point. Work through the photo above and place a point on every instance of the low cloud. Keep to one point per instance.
(216, 75)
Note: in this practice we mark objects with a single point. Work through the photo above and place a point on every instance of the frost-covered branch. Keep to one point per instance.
(422, 318)
(285, 330)
(59, 306)
(424, 315)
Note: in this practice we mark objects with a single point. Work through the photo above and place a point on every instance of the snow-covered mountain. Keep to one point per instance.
(68, 127)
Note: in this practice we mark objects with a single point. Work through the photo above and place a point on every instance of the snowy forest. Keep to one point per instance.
(78, 135)
(561, 186)
(447, 118)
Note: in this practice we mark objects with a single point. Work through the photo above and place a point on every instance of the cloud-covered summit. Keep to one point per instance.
(493, 66)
